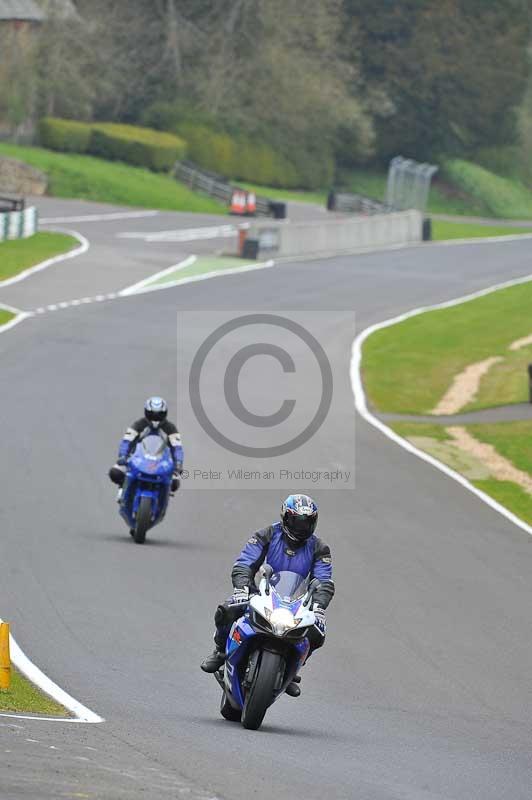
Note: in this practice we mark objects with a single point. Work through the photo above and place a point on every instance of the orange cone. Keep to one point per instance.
(251, 204)
(238, 202)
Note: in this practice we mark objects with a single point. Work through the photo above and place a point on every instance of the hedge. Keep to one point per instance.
(242, 158)
(139, 146)
(65, 135)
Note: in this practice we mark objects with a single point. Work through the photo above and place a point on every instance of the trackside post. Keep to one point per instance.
(5, 658)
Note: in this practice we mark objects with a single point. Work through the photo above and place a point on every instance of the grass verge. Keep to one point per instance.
(24, 698)
(442, 231)
(512, 440)
(89, 178)
(316, 198)
(408, 367)
(20, 254)
(5, 317)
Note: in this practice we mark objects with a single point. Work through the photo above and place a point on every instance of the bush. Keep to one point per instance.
(242, 158)
(65, 135)
(502, 196)
(133, 145)
(139, 146)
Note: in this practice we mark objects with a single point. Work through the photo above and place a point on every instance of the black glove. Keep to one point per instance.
(176, 483)
(117, 474)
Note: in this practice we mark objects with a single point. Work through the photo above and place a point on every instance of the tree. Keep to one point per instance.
(452, 71)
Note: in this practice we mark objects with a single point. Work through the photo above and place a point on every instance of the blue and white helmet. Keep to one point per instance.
(299, 517)
(155, 410)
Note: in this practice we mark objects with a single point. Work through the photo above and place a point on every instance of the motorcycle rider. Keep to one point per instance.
(154, 421)
(289, 544)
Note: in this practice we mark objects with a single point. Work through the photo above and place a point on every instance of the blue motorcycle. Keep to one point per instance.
(267, 646)
(144, 497)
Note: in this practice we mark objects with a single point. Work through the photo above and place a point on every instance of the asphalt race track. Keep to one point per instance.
(424, 688)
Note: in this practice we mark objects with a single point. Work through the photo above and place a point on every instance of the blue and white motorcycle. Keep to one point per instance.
(267, 646)
(143, 500)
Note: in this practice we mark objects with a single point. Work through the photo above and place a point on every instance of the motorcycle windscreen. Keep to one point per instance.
(153, 446)
(289, 586)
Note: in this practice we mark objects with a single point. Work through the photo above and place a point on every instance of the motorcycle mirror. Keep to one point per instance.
(267, 573)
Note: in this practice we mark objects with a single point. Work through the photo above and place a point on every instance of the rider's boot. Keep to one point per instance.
(293, 689)
(213, 662)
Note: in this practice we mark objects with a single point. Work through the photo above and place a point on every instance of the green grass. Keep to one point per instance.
(462, 230)
(89, 178)
(513, 440)
(503, 196)
(443, 199)
(5, 317)
(20, 254)
(317, 198)
(24, 698)
(410, 430)
(408, 367)
(509, 495)
(506, 383)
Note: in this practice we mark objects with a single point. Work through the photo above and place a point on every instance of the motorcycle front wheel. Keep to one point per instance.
(261, 692)
(142, 522)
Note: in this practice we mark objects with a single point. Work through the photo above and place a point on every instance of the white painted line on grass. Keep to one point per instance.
(187, 262)
(100, 217)
(20, 317)
(78, 251)
(43, 682)
(205, 276)
(362, 407)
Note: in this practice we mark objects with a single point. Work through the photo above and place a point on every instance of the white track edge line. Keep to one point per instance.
(20, 316)
(362, 407)
(37, 677)
(203, 276)
(78, 251)
(136, 287)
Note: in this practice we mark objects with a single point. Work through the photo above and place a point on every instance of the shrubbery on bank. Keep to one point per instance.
(129, 143)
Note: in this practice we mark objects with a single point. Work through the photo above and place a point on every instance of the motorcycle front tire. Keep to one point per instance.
(261, 692)
(142, 522)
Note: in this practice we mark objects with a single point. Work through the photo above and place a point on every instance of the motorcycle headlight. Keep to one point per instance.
(282, 620)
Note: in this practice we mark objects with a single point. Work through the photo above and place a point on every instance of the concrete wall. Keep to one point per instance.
(345, 235)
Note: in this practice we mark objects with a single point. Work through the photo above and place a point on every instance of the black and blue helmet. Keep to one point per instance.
(299, 517)
(155, 410)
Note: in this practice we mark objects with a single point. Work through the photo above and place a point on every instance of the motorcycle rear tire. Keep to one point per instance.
(261, 692)
(142, 523)
(228, 712)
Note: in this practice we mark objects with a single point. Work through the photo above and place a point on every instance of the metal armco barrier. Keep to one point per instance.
(355, 204)
(18, 224)
(215, 186)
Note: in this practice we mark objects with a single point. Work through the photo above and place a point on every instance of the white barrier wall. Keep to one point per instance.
(18, 224)
(346, 235)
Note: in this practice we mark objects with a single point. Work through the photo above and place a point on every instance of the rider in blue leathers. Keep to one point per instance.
(286, 545)
(155, 420)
